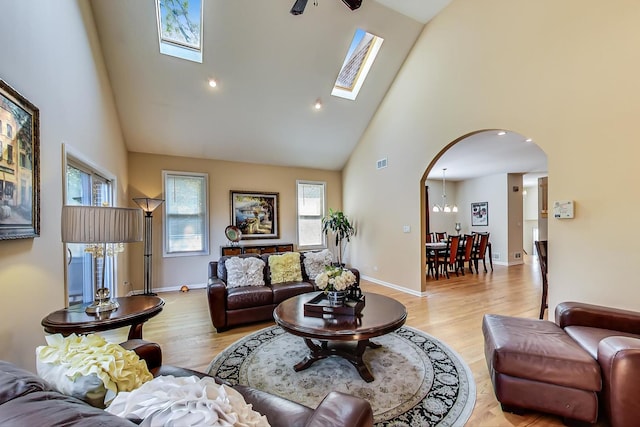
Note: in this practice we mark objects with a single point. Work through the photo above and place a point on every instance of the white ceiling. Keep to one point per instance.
(271, 67)
(487, 153)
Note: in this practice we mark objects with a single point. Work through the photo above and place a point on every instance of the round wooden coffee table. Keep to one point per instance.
(133, 311)
(337, 334)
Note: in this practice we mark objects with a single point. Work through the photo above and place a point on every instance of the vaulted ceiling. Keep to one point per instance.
(270, 67)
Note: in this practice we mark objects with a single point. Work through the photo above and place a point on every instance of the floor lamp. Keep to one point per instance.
(148, 205)
(99, 227)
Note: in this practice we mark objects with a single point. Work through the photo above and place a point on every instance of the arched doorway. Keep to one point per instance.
(490, 167)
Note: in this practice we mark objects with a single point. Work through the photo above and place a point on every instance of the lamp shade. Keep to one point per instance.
(100, 224)
(148, 204)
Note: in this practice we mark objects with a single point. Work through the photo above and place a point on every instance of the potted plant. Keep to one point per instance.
(338, 223)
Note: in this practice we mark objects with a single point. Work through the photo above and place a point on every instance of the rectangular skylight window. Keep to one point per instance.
(180, 28)
(362, 52)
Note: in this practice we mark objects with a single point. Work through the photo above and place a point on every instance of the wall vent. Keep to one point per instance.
(381, 164)
(496, 256)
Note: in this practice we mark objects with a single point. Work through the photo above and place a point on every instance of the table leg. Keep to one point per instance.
(322, 351)
(135, 332)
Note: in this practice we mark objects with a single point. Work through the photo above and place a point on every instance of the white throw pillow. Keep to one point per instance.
(244, 272)
(315, 262)
(186, 401)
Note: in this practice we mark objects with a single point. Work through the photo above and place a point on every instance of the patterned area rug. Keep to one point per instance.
(419, 381)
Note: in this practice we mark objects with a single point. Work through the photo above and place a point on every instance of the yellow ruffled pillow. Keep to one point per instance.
(285, 267)
(90, 368)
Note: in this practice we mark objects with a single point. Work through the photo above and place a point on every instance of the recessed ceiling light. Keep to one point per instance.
(318, 104)
(528, 140)
(502, 133)
(212, 83)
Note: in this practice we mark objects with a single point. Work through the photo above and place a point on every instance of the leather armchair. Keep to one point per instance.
(612, 337)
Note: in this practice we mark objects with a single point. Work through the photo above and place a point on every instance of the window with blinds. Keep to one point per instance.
(310, 211)
(186, 219)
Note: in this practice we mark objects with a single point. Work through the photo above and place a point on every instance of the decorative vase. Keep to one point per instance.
(458, 227)
(336, 298)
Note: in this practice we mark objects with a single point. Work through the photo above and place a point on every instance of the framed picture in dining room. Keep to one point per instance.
(19, 166)
(479, 213)
(255, 214)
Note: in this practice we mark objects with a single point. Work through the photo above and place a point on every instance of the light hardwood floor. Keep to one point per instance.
(452, 312)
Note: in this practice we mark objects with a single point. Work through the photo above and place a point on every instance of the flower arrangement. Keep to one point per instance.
(335, 279)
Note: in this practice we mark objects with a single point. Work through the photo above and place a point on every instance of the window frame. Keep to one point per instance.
(323, 237)
(166, 174)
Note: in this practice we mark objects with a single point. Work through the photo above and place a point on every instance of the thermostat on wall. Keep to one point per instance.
(563, 209)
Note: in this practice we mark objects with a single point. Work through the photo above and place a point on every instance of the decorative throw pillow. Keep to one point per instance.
(186, 401)
(244, 272)
(285, 267)
(315, 262)
(89, 368)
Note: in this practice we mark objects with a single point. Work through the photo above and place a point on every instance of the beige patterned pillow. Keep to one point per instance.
(285, 267)
(315, 262)
(244, 272)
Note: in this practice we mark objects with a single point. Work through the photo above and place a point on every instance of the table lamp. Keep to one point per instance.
(98, 226)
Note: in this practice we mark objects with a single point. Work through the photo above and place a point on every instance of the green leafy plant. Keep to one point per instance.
(338, 223)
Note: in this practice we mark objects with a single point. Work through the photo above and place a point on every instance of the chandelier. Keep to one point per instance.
(445, 207)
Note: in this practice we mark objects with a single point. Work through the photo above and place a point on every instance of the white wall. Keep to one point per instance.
(50, 55)
(493, 190)
(442, 221)
(530, 208)
(563, 73)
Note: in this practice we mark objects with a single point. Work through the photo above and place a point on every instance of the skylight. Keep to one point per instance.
(180, 28)
(362, 52)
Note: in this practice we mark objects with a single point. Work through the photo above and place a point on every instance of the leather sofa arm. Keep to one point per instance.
(619, 359)
(150, 352)
(341, 410)
(595, 316)
(217, 299)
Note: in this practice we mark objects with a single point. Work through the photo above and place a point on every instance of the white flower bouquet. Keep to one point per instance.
(335, 279)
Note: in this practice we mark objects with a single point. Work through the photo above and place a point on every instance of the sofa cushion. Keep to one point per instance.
(244, 272)
(16, 382)
(283, 291)
(285, 267)
(315, 262)
(589, 338)
(249, 296)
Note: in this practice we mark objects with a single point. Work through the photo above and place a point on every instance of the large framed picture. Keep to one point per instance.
(479, 213)
(255, 214)
(19, 166)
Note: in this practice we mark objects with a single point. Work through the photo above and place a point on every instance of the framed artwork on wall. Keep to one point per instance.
(19, 166)
(255, 214)
(479, 213)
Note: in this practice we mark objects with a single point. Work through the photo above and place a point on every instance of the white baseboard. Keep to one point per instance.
(170, 289)
(393, 286)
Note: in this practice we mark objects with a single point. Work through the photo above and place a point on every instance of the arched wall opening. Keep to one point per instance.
(485, 155)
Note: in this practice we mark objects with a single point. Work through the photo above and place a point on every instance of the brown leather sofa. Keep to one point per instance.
(27, 400)
(589, 358)
(237, 306)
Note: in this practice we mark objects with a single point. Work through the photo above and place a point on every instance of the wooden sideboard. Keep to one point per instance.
(255, 249)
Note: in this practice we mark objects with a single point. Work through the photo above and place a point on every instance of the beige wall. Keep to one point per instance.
(563, 73)
(145, 175)
(50, 55)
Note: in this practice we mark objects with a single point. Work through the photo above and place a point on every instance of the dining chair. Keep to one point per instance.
(479, 250)
(465, 248)
(440, 236)
(448, 258)
(431, 238)
(541, 248)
